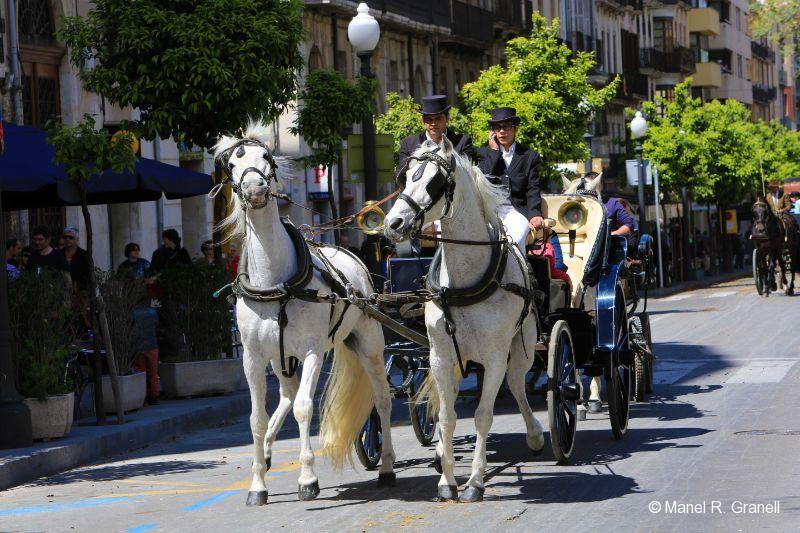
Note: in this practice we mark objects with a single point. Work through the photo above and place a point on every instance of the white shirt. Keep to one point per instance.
(508, 155)
(440, 144)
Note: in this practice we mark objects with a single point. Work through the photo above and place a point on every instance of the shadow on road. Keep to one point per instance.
(126, 471)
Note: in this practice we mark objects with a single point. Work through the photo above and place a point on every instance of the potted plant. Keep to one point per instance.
(125, 297)
(41, 317)
(195, 332)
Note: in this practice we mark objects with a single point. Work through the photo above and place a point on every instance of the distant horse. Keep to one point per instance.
(290, 310)
(775, 240)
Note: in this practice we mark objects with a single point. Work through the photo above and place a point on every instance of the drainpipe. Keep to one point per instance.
(160, 203)
(16, 71)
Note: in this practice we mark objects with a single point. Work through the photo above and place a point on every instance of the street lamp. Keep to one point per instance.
(364, 34)
(639, 130)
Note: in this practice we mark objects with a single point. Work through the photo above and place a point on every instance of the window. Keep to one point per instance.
(443, 83)
(738, 19)
(739, 71)
(663, 35)
(36, 23)
(314, 60)
(393, 83)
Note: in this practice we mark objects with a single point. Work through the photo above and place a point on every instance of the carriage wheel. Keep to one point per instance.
(562, 392)
(636, 336)
(757, 274)
(649, 357)
(422, 420)
(369, 442)
(618, 375)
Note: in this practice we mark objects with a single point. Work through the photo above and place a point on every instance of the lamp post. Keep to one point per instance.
(364, 34)
(639, 130)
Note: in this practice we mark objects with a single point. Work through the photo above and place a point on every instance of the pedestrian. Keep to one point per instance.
(795, 199)
(171, 253)
(344, 242)
(44, 256)
(207, 249)
(13, 250)
(435, 114)
(505, 161)
(233, 259)
(133, 263)
(146, 319)
(77, 257)
(736, 250)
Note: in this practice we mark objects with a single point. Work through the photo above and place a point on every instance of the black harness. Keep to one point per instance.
(441, 184)
(224, 158)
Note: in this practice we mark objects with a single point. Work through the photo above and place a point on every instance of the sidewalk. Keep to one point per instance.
(700, 283)
(87, 442)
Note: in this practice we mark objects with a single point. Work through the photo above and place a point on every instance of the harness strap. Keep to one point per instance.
(450, 328)
(283, 321)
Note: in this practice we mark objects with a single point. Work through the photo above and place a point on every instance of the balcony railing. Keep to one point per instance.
(761, 51)
(472, 22)
(651, 58)
(783, 78)
(763, 94)
(508, 12)
(437, 13)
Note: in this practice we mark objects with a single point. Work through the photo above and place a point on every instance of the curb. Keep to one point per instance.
(698, 284)
(28, 464)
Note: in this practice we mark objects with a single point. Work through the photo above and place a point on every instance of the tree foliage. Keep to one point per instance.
(330, 104)
(779, 20)
(402, 118)
(547, 84)
(194, 68)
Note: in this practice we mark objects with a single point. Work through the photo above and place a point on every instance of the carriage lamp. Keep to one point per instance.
(638, 131)
(364, 34)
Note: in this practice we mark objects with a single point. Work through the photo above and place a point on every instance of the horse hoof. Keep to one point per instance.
(471, 495)
(256, 498)
(308, 492)
(387, 479)
(447, 493)
(437, 464)
(269, 463)
(594, 406)
(581, 413)
(535, 445)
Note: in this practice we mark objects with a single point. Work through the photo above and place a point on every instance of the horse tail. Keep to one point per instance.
(346, 404)
(430, 394)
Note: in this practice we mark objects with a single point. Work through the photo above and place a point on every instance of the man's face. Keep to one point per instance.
(70, 239)
(435, 125)
(16, 249)
(168, 243)
(41, 242)
(133, 254)
(506, 132)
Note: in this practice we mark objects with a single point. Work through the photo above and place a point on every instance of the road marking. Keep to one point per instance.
(141, 529)
(722, 294)
(161, 483)
(762, 372)
(212, 500)
(667, 373)
(79, 504)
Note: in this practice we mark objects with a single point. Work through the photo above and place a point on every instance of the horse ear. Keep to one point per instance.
(595, 182)
(565, 181)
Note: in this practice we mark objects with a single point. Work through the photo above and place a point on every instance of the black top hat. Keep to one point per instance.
(504, 114)
(433, 105)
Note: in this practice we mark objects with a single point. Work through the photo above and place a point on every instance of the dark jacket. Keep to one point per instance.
(522, 176)
(462, 144)
(165, 257)
(79, 269)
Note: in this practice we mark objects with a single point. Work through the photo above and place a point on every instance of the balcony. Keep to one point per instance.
(783, 78)
(704, 20)
(635, 4)
(471, 22)
(437, 13)
(507, 13)
(677, 60)
(651, 60)
(763, 94)
(707, 75)
(762, 51)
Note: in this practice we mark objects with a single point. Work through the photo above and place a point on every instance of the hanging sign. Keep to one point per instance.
(317, 183)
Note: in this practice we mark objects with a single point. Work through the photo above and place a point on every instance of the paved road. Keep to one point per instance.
(721, 428)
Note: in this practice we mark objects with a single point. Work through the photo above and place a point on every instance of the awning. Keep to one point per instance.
(30, 177)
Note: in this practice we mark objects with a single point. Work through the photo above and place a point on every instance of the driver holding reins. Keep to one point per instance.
(517, 166)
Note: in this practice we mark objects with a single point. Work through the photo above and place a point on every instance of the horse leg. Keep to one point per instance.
(259, 420)
(308, 484)
(370, 344)
(518, 366)
(288, 391)
(442, 372)
(595, 404)
(493, 374)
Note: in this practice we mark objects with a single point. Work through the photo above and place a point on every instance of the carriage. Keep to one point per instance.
(592, 323)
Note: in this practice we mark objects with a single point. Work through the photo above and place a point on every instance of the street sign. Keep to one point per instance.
(731, 222)
(632, 172)
(317, 182)
(384, 157)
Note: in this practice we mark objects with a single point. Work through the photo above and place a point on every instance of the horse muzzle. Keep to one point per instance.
(397, 228)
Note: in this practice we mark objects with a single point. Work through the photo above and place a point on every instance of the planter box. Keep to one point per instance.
(133, 389)
(199, 378)
(51, 418)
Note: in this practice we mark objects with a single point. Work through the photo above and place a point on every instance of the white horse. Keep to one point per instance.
(595, 404)
(270, 260)
(487, 331)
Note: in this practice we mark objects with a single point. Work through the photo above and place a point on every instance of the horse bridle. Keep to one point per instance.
(441, 184)
(224, 158)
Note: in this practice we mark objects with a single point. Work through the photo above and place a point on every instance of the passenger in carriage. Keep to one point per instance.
(517, 166)
(621, 222)
(435, 118)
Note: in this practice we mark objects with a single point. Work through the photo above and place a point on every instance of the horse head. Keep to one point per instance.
(764, 221)
(590, 182)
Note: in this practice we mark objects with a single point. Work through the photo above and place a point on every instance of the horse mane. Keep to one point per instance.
(260, 131)
(490, 195)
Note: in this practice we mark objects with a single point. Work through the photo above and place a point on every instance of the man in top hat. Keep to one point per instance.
(435, 116)
(518, 167)
(779, 203)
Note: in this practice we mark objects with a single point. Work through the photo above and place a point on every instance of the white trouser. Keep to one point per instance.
(517, 226)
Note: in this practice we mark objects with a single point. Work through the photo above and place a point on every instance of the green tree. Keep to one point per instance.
(87, 153)
(777, 152)
(779, 20)
(547, 84)
(402, 118)
(194, 68)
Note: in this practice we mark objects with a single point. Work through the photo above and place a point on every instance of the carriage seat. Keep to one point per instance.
(586, 261)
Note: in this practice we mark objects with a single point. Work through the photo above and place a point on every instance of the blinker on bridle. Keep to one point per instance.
(441, 184)
(224, 158)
